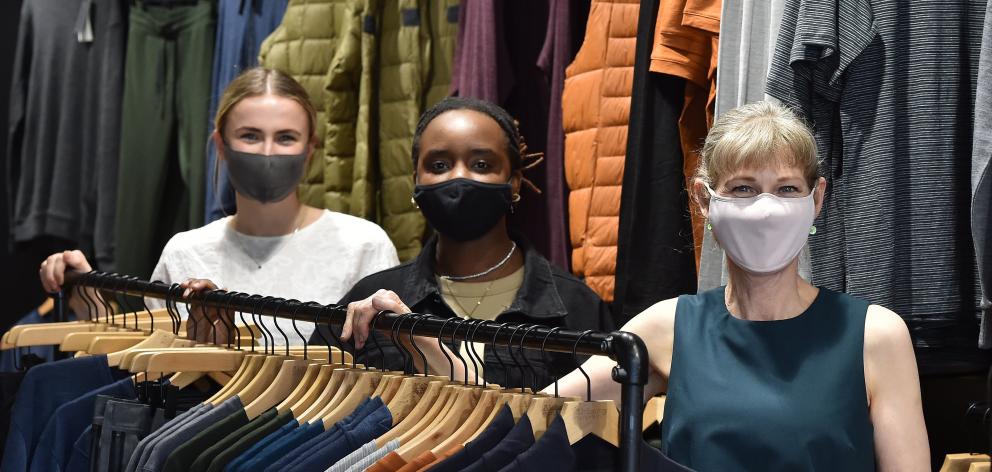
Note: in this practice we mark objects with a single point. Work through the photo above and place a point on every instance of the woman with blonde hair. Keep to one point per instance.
(265, 132)
(768, 372)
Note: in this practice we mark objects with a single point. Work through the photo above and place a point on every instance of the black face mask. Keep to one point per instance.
(264, 178)
(463, 209)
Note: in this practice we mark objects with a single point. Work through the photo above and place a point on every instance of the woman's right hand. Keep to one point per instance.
(52, 271)
(360, 314)
(52, 275)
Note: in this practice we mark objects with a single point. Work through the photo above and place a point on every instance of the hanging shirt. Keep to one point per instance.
(320, 262)
(327, 448)
(326, 453)
(220, 455)
(480, 301)
(371, 459)
(519, 439)
(45, 388)
(485, 441)
(182, 457)
(144, 448)
(184, 432)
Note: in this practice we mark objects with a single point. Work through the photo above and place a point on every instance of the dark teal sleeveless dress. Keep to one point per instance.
(769, 395)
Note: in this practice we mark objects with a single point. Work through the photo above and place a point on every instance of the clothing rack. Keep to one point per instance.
(626, 349)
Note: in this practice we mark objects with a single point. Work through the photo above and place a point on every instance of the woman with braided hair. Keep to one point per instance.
(468, 159)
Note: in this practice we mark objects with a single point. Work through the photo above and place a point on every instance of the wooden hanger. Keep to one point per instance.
(424, 411)
(654, 411)
(504, 399)
(188, 361)
(107, 344)
(364, 385)
(415, 425)
(316, 397)
(158, 339)
(597, 418)
(458, 413)
(309, 378)
(279, 389)
(480, 412)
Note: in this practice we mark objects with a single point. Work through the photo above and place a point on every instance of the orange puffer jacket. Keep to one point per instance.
(596, 108)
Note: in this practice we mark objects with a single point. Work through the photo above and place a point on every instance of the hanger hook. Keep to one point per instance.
(440, 345)
(206, 318)
(530, 367)
(144, 305)
(90, 306)
(330, 330)
(227, 308)
(513, 358)
(103, 279)
(372, 337)
(394, 337)
(281, 304)
(297, 305)
(173, 308)
(506, 372)
(413, 341)
(316, 329)
(267, 339)
(253, 299)
(575, 358)
(544, 355)
(120, 284)
(223, 319)
(456, 351)
(474, 354)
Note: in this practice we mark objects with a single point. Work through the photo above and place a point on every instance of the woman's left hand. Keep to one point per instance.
(206, 325)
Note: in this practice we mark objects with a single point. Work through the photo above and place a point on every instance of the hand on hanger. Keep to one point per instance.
(52, 275)
(211, 324)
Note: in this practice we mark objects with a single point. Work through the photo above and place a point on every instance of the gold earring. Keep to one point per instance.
(413, 202)
(515, 198)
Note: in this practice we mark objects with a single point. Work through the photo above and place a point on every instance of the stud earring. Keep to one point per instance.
(812, 229)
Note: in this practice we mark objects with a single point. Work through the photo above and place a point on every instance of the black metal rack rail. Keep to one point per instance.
(626, 349)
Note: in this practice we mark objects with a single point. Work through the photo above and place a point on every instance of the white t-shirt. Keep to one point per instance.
(320, 262)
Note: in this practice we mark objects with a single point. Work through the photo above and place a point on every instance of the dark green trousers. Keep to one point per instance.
(164, 133)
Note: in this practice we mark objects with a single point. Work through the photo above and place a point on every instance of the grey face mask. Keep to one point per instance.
(264, 178)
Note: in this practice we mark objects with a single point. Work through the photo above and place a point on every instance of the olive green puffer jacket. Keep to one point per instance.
(303, 46)
(394, 61)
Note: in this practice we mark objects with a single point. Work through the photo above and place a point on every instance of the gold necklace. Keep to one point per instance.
(469, 314)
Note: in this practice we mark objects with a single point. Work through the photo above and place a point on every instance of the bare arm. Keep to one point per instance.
(893, 384)
(656, 327)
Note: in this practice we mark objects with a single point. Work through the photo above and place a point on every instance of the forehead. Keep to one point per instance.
(269, 108)
(461, 125)
(770, 172)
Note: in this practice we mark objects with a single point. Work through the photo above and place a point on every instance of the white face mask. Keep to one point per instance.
(761, 234)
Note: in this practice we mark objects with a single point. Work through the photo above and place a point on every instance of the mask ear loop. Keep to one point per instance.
(575, 358)
(544, 355)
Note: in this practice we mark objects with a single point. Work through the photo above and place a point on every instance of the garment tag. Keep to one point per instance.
(85, 35)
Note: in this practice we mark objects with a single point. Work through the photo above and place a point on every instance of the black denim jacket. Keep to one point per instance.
(549, 296)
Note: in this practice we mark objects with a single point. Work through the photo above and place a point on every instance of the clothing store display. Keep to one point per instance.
(162, 151)
(517, 440)
(65, 124)
(241, 28)
(371, 459)
(748, 30)
(550, 451)
(874, 119)
(486, 441)
(707, 426)
(182, 458)
(125, 423)
(143, 449)
(394, 63)
(548, 296)
(595, 112)
(294, 266)
(981, 186)
(41, 393)
(216, 457)
(261, 444)
(158, 452)
(68, 422)
(507, 54)
(463, 209)
(654, 228)
(346, 462)
(267, 179)
(686, 46)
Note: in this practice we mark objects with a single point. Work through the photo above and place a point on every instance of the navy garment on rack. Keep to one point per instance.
(242, 25)
(519, 439)
(183, 432)
(328, 452)
(45, 388)
(10, 359)
(655, 229)
(486, 440)
(68, 422)
(270, 438)
(311, 446)
(283, 446)
(144, 447)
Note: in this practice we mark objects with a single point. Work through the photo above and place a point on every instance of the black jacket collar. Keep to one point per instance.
(538, 296)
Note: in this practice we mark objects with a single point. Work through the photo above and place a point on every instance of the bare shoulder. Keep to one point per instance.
(885, 331)
(656, 327)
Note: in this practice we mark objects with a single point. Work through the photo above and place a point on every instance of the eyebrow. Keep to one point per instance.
(258, 130)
